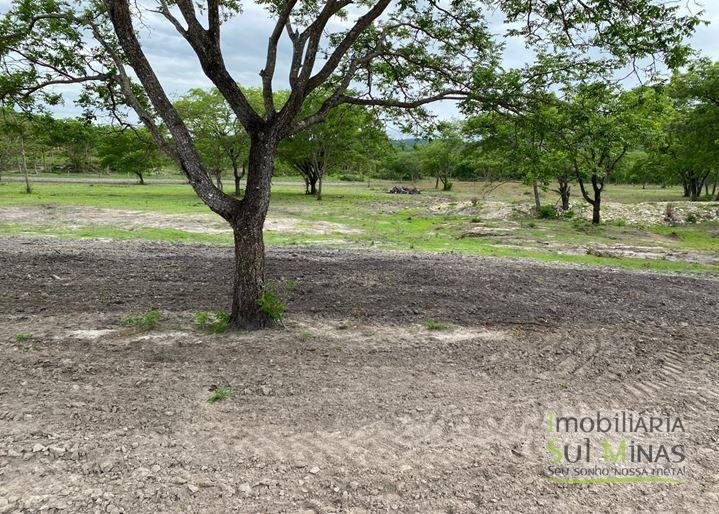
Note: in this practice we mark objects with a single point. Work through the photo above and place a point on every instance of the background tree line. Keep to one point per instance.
(573, 140)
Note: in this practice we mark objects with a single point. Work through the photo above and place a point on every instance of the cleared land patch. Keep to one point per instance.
(356, 404)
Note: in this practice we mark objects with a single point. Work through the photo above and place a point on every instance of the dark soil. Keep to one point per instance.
(354, 405)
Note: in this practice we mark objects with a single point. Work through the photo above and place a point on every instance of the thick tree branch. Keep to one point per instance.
(269, 71)
(206, 46)
(191, 163)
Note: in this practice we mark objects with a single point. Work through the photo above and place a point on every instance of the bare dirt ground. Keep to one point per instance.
(643, 213)
(353, 406)
(70, 216)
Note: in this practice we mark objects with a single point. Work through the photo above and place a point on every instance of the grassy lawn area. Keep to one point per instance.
(358, 216)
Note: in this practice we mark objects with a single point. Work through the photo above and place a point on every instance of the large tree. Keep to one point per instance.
(128, 151)
(351, 138)
(393, 54)
(527, 145)
(691, 133)
(442, 154)
(596, 128)
(219, 136)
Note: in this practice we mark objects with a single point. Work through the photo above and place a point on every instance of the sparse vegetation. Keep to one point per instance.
(146, 321)
(219, 394)
(369, 218)
(273, 300)
(547, 212)
(431, 324)
(433, 359)
(213, 322)
(272, 304)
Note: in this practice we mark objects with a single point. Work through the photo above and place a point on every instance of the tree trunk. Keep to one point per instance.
(596, 202)
(247, 227)
(249, 274)
(537, 202)
(23, 162)
(597, 186)
(312, 186)
(693, 193)
(685, 185)
(238, 177)
(564, 192)
(319, 188)
(142, 179)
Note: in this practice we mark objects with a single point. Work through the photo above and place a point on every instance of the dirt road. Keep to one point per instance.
(355, 405)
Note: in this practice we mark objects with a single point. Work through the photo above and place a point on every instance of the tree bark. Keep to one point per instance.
(685, 185)
(537, 202)
(238, 177)
(249, 275)
(23, 161)
(247, 227)
(564, 191)
(596, 202)
(596, 209)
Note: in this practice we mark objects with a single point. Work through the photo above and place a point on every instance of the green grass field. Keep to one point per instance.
(372, 219)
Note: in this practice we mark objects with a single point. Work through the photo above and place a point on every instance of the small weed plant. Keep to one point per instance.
(431, 324)
(219, 394)
(273, 300)
(146, 321)
(214, 323)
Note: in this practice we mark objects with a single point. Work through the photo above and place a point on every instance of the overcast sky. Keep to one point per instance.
(244, 45)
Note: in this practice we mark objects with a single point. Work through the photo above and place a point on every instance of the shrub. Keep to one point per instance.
(447, 186)
(215, 323)
(547, 212)
(146, 321)
(691, 218)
